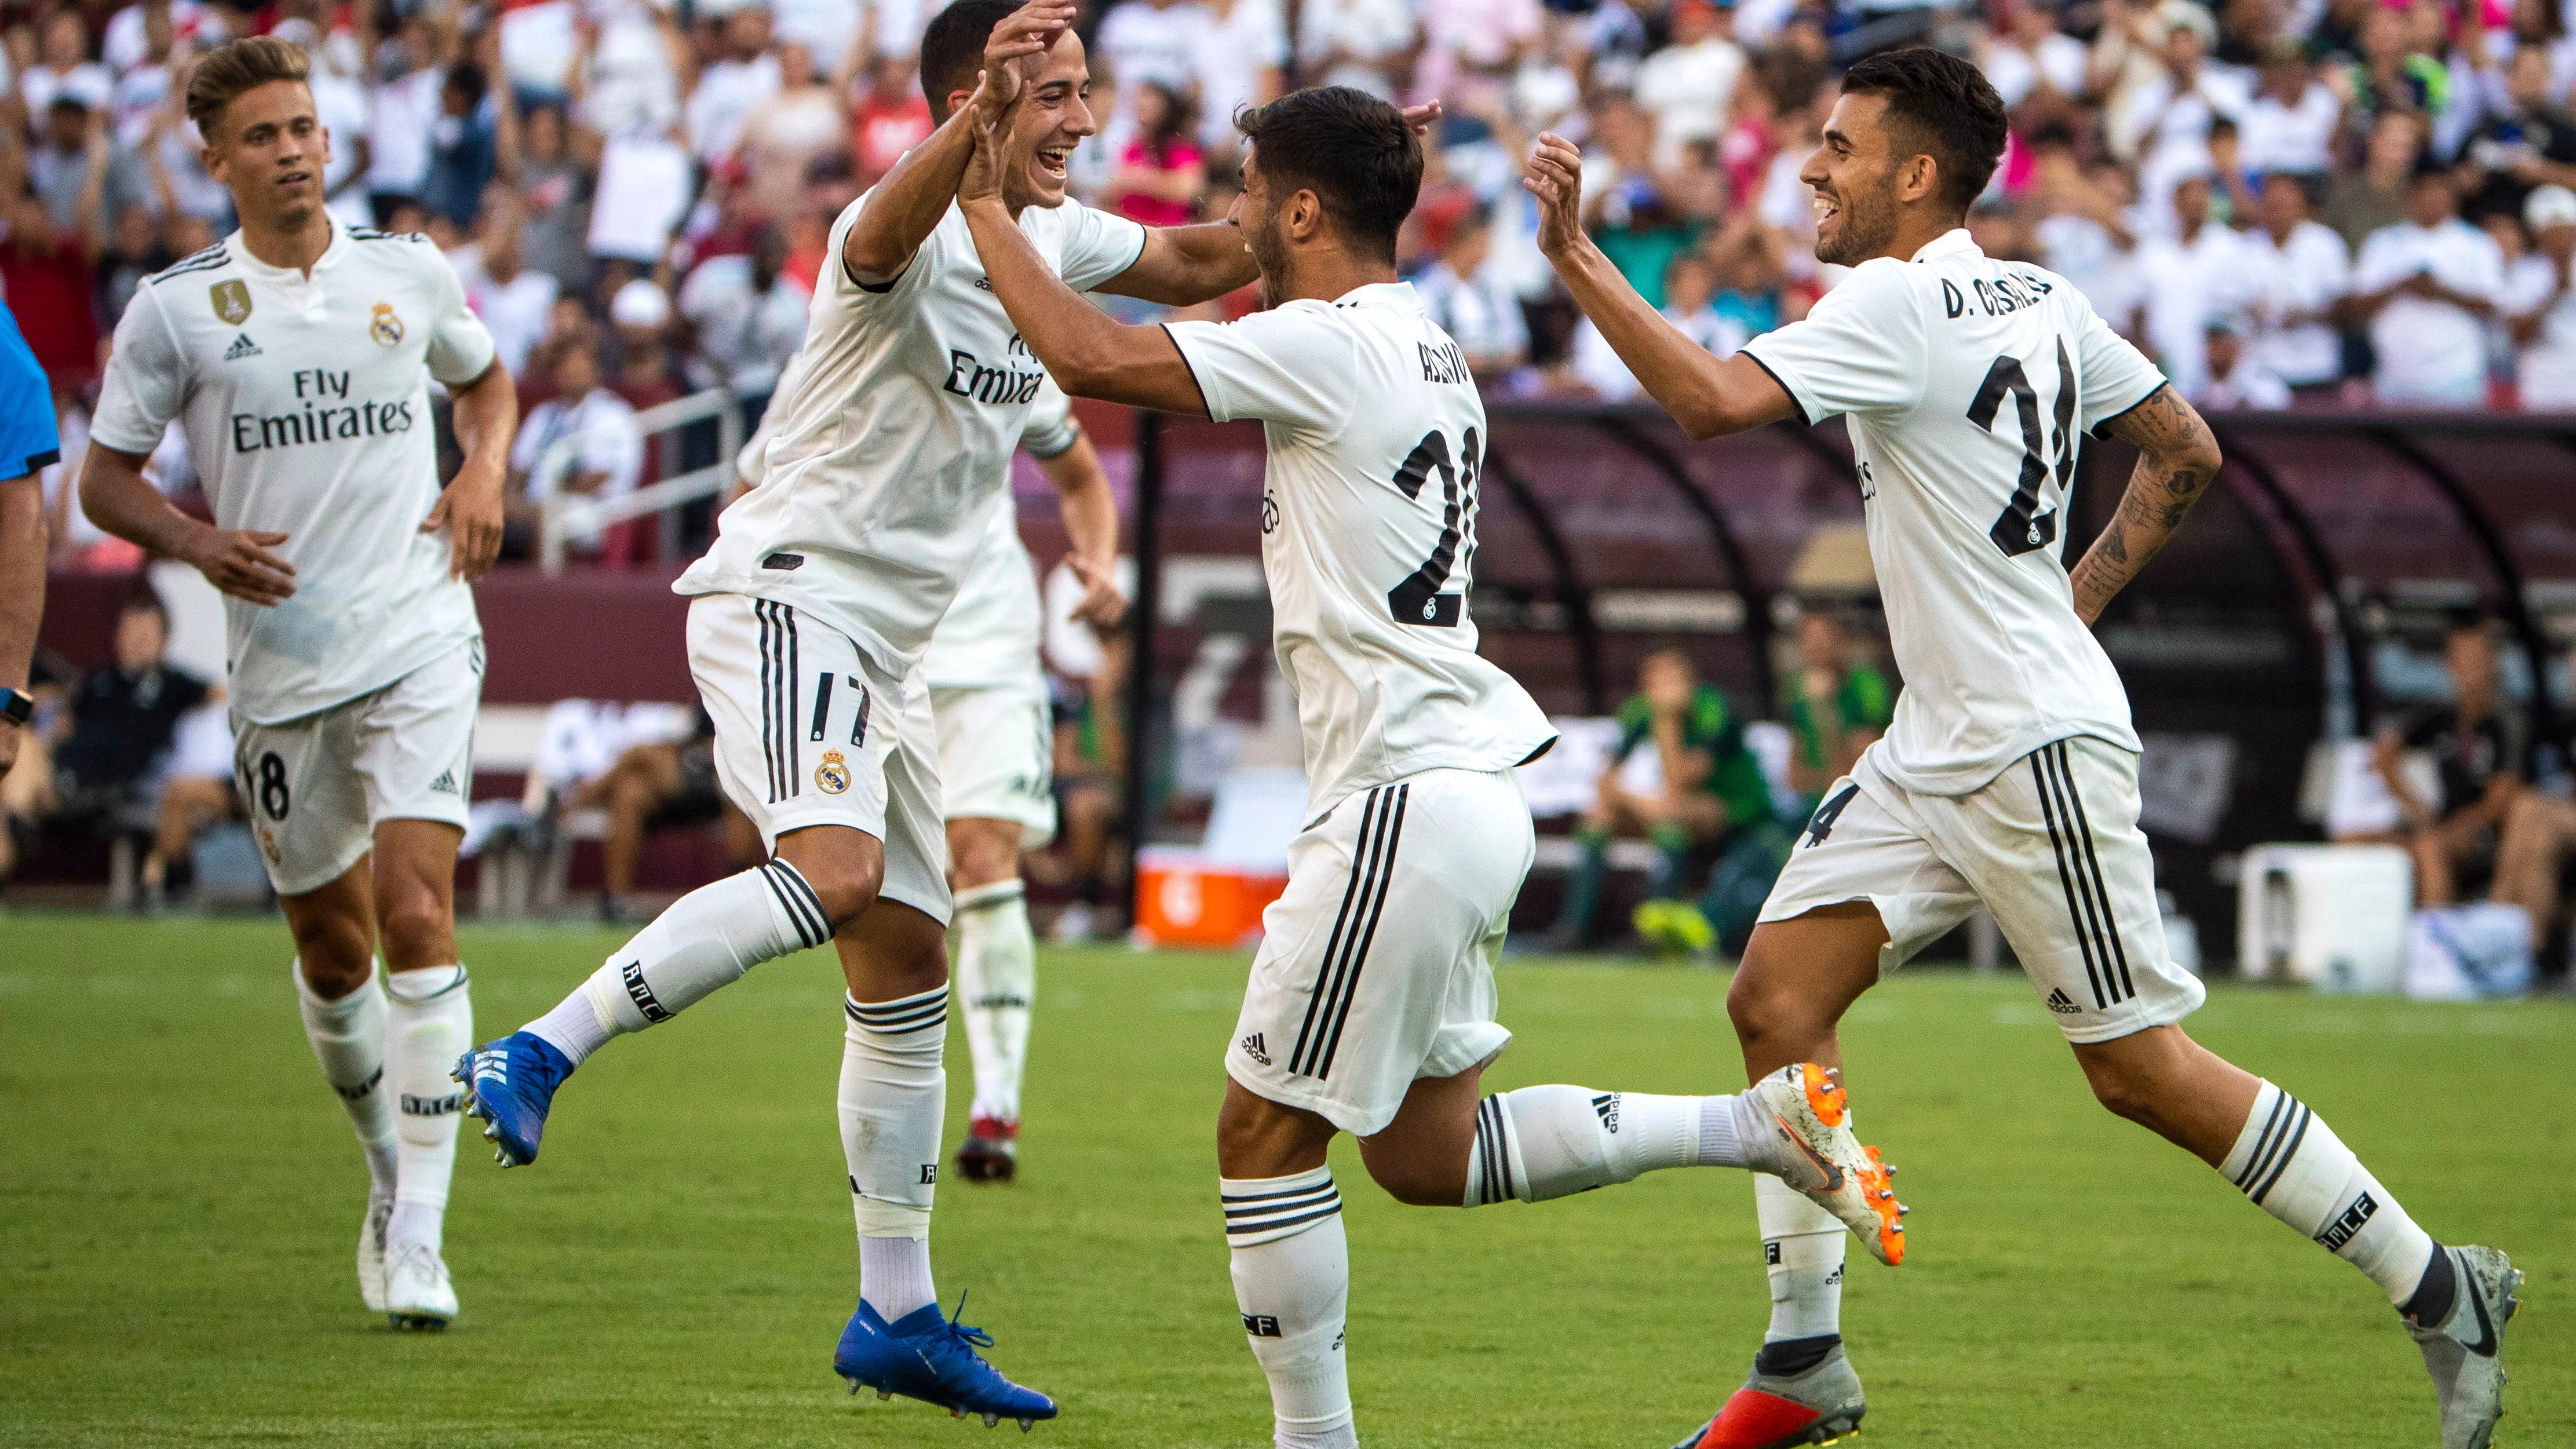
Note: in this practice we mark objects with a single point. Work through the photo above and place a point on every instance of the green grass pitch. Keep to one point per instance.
(179, 1197)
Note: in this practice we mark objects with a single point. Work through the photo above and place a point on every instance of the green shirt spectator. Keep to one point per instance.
(1860, 701)
(1709, 727)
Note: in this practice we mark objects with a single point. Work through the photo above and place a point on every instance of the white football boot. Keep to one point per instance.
(2465, 1352)
(371, 1251)
(1820, 1157)
(417, 1293)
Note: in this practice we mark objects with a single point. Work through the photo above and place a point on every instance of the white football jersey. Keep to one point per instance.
(306, 405)
(889, 452)
(991, 630)
(1967, 381)
(1368, 522)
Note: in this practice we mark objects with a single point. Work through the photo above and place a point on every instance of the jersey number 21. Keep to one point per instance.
(1419, 600)
(2023, 527)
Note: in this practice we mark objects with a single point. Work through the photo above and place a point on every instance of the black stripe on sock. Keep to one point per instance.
(1359, 955)
(2289, 1153)
(807, 927)
(793, 880)
(1244, 1229)
(2110, 921)
(1326, 1186)
(2256, 1160)
(1326, 1193)
(1333, 943)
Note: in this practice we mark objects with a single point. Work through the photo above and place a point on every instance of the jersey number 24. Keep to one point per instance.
(1419, 600)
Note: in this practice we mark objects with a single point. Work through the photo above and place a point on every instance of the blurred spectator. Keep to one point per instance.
(464, 147)
(1242, 61)
(1161, 171)
(2297, 272)
(123, 716)
(660, 787)
(1835, 703)
(44, 272)
(1625, 206)
(69, 169)
(1698, 785)
(732, 86)
(639, 321)
(893, 119)
(2425, 287)
(2541, 305)
(2186, 277)
(1461, 300)
(66, 71)
(2361, 202)
(597, 429)
(404, 107)
(1358, 43)
(513, 301)
(554, 190)
(2235, 377)
(2526, 141)
(2474, 751)
(750, 319)
(1688, 87)
(2289, 126)
(2532, 850)
(801, 120)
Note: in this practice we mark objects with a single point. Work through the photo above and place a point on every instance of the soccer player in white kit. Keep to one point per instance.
(295, 352)
(2010, 775)
(988, 699)
(812, 611)
(1370, 1008)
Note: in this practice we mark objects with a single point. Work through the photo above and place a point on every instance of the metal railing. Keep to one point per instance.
(563, 516)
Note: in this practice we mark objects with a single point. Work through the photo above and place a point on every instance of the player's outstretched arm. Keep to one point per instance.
(22, 588)
(1090, 512)
(1707, 395)
(908, 203)
(487, 417)
(117, 498)
(1087, 353)
(1183, 266)
(2177, 456)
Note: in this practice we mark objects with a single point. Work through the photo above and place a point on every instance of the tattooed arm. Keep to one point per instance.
(2177, 457)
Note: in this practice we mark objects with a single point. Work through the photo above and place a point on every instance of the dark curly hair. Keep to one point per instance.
(1942, 107)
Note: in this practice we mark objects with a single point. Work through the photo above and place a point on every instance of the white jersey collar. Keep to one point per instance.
(330, 257)
(1954, 242)
(1384, 294)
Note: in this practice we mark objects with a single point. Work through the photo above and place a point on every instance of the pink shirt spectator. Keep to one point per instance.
(1136, 206)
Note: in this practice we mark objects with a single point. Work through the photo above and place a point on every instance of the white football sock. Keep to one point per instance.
(2294, 1167)
(997, 970)
(348, 1036)
(430, 1022)
(894, 1276)
(894, 1095)
(1544, 1142)
(1292, 1282)
(707, 939)
(1802, 1246)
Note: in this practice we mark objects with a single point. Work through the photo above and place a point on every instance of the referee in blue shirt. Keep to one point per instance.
(28, 444)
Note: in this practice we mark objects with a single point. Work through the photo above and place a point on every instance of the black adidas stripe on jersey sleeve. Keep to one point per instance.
(211, 257)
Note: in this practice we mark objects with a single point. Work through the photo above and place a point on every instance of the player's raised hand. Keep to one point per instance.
(982, 178)
(238, 561)
(1103, 607)
(1555, 177)
(471, 513)
(1422, 117)
(1023, 33)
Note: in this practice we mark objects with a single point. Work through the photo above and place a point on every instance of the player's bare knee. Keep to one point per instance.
(843, 882)
(2125, 1092)
(1256, 1137)
(1420, 1182)
(334, 954)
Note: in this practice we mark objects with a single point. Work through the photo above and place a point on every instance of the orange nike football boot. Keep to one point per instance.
(1819, 1155)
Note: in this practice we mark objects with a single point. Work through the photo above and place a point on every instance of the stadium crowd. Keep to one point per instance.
(2346, 201)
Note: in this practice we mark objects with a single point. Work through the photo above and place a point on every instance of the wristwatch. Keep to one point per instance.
(15, 705)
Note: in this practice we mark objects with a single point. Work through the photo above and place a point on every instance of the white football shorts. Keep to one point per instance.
(808, 733)
(1376, 969)
(317, 787)
(996, 755)
(2051, 846)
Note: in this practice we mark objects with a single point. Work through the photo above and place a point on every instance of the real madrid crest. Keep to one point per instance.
(385, 327)
(232, 301)
(833, 775)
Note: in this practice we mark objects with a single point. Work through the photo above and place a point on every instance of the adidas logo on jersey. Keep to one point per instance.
(2062, 1004)
(242, 347)
(1254, 1048)
(1606, 1107)
(445, 784)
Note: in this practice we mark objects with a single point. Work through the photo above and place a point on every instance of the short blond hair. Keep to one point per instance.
(232, 70)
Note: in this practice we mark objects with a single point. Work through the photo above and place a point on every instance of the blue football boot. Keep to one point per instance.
(509, 1084)
(927, 1357)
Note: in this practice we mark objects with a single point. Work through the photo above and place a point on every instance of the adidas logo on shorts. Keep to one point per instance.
(445, 784)
(242, 347)
(2062, 1004)
(1254, 1048)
